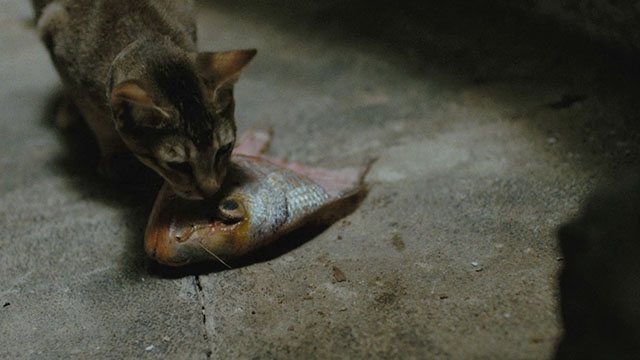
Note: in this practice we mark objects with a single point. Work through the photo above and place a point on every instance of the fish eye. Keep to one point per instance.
(229, 205)
(180, 166)
(231, 211)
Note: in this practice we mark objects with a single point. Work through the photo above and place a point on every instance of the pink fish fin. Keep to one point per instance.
(254, 141)
(335, 182)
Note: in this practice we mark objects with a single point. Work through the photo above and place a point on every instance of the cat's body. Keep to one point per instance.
(132, 70)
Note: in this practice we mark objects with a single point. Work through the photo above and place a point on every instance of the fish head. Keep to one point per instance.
(182, 231)
(250, 209)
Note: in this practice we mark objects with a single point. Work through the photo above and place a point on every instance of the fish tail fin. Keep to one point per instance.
(341, 206)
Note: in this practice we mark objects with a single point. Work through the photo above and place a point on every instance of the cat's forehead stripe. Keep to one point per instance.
(176, 79)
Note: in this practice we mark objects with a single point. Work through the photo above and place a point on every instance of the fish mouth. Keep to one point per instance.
(159, 247)
(181, 232)
(169, 249)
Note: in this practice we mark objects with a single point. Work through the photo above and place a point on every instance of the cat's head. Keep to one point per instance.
(175, 111)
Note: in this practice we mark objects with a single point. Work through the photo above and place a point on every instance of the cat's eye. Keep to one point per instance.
(225, 150)
(181, 166)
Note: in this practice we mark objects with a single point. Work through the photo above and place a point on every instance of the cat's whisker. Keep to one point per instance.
(214, 255)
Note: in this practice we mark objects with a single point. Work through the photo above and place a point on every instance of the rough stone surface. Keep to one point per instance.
(489, 128)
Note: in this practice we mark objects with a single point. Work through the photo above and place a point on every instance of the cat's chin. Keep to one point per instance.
(189, 195)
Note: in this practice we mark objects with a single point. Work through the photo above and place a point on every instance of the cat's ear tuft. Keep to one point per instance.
(223, 68)
(131, 103)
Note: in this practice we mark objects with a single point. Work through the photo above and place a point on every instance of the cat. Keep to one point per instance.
(132, 71)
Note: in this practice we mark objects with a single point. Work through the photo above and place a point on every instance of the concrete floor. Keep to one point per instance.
(489, 136)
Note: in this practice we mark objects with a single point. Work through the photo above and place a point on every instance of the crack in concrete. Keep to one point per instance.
(205, 333)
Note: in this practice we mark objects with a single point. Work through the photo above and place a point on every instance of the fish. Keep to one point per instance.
(260, 200)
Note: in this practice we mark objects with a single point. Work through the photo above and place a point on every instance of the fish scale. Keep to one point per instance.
(282, 200)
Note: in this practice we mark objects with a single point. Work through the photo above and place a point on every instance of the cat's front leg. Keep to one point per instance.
(113, 152)
(67, 114)
(114, 157)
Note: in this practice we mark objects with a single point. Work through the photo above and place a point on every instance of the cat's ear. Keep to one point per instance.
(133, 106)
(223, 68)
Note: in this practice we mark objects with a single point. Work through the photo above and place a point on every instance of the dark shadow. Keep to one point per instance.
(82, 153)
(600, 279)
(456, 35)
(133, 196)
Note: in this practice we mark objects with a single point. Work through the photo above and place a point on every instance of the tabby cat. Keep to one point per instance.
(131, 69)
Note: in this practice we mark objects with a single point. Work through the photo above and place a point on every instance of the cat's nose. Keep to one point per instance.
(209, 180)
(210, 186)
